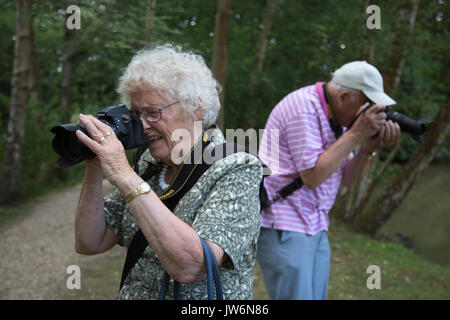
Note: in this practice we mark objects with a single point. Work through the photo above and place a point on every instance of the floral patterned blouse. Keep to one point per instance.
(222, 207)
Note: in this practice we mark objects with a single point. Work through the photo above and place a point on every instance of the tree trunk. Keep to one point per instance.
(348, 202)
(376, 179)
(396, 149)
(360, 193)
(69, 57)
(368, 49)
(383, 209)
(263, 41)
(35, 83)
(151, 7)
(391, 78)
(219, 59)
(10, 185)
(399, 47)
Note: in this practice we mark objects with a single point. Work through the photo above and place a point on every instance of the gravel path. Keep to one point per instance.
(36, 250)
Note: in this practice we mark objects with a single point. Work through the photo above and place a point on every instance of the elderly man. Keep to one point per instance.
(293, 249)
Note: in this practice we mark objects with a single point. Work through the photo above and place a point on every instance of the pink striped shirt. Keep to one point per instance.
(301, 119)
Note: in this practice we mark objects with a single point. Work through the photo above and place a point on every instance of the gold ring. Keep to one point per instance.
(107, 134)
(102, 139)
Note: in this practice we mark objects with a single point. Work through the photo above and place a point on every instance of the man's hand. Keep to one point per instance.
(387, 136)
(370, 122)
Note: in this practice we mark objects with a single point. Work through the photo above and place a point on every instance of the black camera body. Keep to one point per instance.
(126, 125)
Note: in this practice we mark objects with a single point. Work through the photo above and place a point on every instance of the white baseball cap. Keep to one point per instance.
(361, 75)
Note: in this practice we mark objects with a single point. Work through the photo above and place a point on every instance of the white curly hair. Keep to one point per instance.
(176, 75)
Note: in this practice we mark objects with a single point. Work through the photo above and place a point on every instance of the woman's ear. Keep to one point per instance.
(199, 113)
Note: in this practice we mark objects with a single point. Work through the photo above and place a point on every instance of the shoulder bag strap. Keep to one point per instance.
(212, 277)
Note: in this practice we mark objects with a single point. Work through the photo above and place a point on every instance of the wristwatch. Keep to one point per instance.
(143, 187)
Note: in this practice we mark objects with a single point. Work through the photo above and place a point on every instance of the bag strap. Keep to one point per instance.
(280, 194)
(212, 277)
(212, 265)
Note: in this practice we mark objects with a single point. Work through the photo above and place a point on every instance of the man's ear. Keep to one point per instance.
(343, 96)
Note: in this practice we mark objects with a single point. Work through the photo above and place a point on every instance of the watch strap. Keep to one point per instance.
(133, 194)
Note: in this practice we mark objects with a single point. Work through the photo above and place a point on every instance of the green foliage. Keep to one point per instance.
(7, 25)
(40, 172)
(309, 39)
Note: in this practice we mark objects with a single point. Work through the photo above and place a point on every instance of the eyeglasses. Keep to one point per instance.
(153, 114)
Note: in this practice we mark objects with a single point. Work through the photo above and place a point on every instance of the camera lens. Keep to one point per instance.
(127, 128)
(67, 145)
(71, 147)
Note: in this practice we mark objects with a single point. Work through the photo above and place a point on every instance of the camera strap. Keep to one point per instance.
(186, 177)
(337, 129)
(359, 114)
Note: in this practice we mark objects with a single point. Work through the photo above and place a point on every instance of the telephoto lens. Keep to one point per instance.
(126, 125)
(415, 128)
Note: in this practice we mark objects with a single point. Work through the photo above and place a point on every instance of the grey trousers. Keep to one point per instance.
(295, 266)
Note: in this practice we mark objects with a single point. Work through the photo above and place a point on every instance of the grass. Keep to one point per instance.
(404, 273)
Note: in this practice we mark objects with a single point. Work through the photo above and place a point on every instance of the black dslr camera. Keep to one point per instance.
(413, 127)
(126, 125)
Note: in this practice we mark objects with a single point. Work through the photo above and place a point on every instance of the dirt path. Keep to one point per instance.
(36, 251)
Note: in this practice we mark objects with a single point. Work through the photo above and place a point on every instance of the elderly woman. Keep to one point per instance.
(171, 91)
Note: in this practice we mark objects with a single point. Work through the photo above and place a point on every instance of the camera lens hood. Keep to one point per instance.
(66, 144)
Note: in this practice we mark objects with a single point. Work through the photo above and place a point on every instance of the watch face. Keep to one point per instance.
(145, 187)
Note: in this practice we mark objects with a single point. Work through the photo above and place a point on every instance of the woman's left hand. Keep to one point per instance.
(106, 146)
